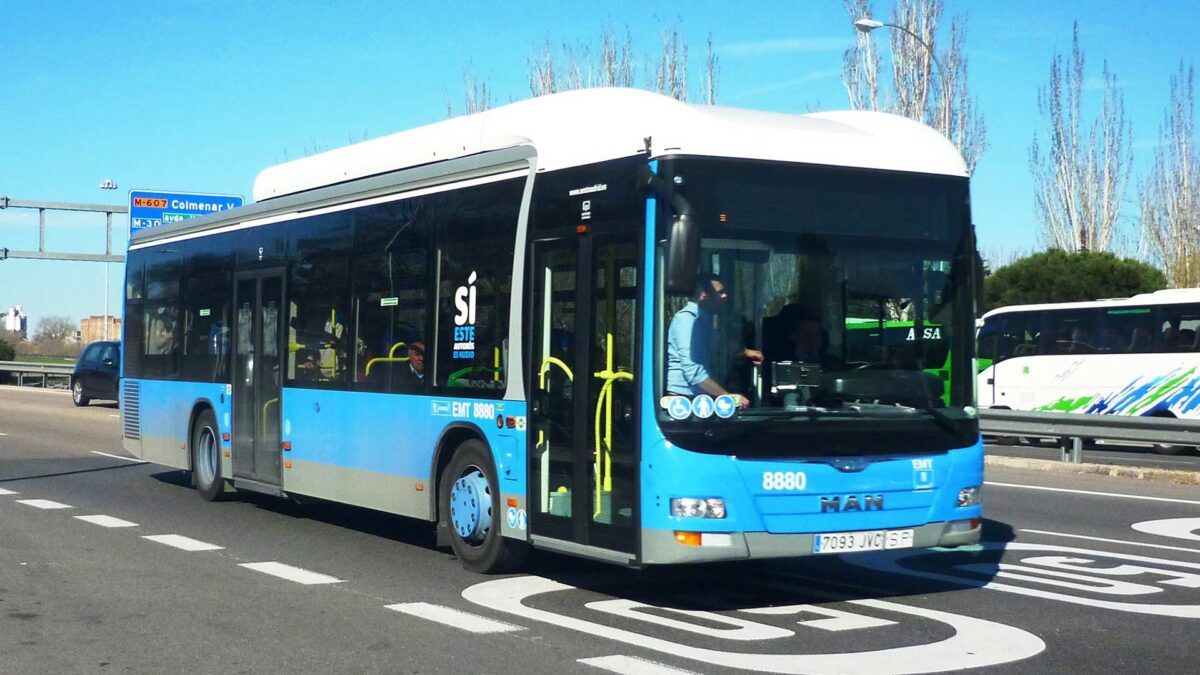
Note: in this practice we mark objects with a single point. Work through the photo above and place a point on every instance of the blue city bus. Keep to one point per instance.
(467, 323)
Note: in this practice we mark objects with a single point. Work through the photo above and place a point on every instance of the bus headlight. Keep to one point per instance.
(969, 496)
(693, 507)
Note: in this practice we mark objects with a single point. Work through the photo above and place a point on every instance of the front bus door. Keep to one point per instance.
(258, 336)
(585, 317)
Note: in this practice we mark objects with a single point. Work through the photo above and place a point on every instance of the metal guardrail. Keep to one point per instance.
(42, 371)
(1072, 428)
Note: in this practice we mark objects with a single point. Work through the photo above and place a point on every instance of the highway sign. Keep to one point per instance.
(149, 208)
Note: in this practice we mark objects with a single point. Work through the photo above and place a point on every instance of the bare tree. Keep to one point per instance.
(574, 66)
(1170, 196)
(1080, 180)
(670, 76)
(927, 84)
(54, 329)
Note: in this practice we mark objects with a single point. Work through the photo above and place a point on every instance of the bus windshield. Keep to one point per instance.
(827, 300)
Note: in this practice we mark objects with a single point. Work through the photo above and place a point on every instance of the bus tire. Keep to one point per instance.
(469, 501)
(206, 457)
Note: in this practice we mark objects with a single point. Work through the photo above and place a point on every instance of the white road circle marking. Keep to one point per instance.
(1178, 528)
(976, 643)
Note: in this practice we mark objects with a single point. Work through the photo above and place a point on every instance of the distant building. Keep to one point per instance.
(15, 321)
(92, 329)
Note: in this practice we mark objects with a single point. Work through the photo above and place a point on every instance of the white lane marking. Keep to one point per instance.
(973, 643)
(112, 415)
(300, 576)
(3, 434)
(106, 521)
(127, 459)
(632, 665)
(43, 504)
(452, 617)
(1113, 541)
(737, 629)
(181, 542)
(837, 620)
(1090, 492)
(8, 492)
(889, 562)
(1178, 528)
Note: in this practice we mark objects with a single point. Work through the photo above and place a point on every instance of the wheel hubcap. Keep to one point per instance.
(77, 390)
(471, 506)
(206, 456)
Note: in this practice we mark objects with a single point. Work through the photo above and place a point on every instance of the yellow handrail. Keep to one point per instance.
(264, 410)
(604, 402)
(391, 358)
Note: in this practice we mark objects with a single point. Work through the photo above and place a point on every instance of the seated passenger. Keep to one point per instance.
(410, 376)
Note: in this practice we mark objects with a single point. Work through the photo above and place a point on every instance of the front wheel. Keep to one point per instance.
(469, 501)
(77, 396)
(206, 458)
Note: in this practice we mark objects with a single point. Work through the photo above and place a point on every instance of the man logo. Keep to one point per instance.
(852, 503)
(464, 302)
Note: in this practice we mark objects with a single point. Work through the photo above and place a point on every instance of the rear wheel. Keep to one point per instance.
(206, 458)
(469, 501)
(1164, 448)
(77, 396)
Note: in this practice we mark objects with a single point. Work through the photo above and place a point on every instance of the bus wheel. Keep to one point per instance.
(206, 458)
(469, 501)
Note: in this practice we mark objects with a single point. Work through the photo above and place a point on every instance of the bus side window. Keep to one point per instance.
(477, 229)
(989, 339)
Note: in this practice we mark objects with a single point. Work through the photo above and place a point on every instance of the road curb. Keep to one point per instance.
(1183, 477)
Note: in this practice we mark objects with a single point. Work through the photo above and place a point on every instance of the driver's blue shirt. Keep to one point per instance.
(687, 350)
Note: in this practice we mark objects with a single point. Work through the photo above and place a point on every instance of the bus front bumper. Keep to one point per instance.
(662, 547)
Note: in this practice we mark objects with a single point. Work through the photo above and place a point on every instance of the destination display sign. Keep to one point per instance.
(149, 209)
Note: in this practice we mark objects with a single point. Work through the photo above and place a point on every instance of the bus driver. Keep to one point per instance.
(689, 338)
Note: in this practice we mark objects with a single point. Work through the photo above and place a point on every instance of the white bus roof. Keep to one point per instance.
(1170, 296)
(592, 125)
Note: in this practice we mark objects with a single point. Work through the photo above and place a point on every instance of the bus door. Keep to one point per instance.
(258, 339)
(583, 431)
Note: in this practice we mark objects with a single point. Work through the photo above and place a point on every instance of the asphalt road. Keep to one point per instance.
(107, 565)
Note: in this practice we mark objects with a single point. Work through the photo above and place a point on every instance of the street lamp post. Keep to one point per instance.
(107, 184)
(866, 25)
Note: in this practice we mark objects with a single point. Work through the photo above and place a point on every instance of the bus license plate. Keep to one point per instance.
(870, 540)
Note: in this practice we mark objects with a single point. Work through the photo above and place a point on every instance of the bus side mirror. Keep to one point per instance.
(683, 253)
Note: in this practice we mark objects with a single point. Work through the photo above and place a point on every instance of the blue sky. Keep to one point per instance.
(200, 95)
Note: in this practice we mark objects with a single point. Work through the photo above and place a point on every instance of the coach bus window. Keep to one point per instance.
(845, 298)
(161, 311)
(131, 328)
(318, 343)
(207, 300)
(391, 247)
(1180, 328)
(1073, 332)
(476, 243)
(319, 321)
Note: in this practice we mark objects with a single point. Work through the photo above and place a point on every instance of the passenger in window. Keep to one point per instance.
(308, 370)
(1081, 341)
(411, 375)
(1140, 341)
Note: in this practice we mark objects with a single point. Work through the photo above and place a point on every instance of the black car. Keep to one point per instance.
(96, 373)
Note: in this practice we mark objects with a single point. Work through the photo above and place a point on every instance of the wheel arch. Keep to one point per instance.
(198, 408)
(451, 437)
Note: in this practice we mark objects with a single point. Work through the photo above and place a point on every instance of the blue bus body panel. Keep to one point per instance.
(394, 433)
(165, 409)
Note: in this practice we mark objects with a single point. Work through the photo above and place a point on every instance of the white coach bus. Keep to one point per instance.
(1128, 356)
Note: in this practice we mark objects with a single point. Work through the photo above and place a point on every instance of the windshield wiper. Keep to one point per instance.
(944, 421)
